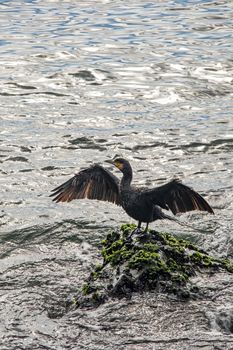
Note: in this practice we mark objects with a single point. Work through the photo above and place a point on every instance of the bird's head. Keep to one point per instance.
(122, 164)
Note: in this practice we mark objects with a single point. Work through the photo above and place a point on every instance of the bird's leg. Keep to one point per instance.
(143, 236)
(136, 230)
(146, 229)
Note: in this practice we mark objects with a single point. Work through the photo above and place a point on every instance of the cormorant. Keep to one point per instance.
(142, 204)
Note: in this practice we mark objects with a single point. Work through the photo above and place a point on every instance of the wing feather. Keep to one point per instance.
(94, 182)
(177, 197)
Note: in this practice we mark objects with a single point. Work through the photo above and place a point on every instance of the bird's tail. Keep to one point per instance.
(185, 224)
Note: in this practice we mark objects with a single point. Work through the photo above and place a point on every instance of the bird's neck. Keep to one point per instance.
(126, 179)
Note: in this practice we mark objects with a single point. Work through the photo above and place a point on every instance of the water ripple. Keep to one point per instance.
(80, 83)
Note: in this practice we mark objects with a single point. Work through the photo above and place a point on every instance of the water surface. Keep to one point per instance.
(79, 83)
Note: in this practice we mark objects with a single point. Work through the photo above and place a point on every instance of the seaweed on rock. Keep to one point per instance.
(149, 261)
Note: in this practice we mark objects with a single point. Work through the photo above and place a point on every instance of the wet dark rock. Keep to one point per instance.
(142, 262)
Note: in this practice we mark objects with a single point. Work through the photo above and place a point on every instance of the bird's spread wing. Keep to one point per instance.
(94, 182)
(177, 197)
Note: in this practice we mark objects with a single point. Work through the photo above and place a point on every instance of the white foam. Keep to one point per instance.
(212, 75)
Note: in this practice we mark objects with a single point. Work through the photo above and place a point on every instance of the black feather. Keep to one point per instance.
(142, 204)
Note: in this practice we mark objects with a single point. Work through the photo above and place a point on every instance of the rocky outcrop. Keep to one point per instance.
(151, 261)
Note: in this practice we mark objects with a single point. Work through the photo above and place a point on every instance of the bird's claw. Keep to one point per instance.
(137, 230)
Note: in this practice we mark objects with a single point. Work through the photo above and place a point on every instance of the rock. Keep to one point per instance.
(152, 261)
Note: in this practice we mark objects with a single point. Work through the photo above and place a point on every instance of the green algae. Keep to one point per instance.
(228, 265)
(114, 252)
(146, 261)
(142, 258)
(86, 289)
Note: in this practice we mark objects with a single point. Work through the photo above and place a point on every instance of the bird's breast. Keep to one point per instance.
(134, 205)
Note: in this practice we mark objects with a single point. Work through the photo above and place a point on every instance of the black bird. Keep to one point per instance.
(142, 204)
